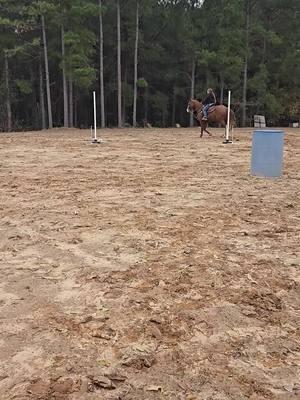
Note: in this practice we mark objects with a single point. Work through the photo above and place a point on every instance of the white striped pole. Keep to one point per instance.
(228, 119)
(95, 140)
(95, 116)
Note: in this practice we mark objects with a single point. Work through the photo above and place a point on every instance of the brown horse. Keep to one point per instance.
(216, 114)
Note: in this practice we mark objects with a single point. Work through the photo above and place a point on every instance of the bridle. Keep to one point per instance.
(194, 110)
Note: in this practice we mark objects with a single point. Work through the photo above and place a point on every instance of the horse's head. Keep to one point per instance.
(193, 105)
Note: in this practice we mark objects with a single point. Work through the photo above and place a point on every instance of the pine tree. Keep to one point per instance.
(119, 65)
(101, 71)
(135, 83)
(168, 51)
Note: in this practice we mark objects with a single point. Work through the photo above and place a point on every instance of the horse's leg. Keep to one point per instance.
(205, 128)
(202, 128)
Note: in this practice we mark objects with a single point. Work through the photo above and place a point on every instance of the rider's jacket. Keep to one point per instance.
(210, 99)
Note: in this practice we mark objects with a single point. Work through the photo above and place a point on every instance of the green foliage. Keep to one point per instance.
(84, 9)
(173, 34)
(159, 101)
(259, 82)
(24, 86)
(273, 107)
(142, 83)
(40, 7)
(5, 22)
(206, 57)
(84, 77)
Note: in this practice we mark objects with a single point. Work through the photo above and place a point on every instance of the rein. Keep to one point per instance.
(196, 112)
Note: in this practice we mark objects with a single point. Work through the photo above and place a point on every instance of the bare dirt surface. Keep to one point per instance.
(152, 266)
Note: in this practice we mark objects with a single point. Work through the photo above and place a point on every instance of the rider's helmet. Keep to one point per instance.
(209, 90)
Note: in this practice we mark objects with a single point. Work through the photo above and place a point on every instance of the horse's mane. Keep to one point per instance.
(197, 101)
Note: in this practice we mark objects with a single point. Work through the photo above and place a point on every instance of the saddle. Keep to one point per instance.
(200, 113)
(211, 109)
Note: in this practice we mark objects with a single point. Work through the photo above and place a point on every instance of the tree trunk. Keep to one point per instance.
(264, 50)
(75, 109)
(146, 105)
(65, 87)
(222, 90)
(136, 64)
(244, 103)
(102, 104)
(42, 100)
(125, 78)
(245, 80)
(8, 103)
(192, 89)
(34, 117)
(71, 103)
(119, 66)
(50, 121)
(174, 107)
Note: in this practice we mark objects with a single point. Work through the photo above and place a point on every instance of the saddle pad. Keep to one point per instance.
(211, 109)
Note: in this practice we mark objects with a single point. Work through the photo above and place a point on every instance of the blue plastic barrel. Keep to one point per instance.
(267, 153)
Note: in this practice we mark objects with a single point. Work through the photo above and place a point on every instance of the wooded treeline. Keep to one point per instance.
(145, 58)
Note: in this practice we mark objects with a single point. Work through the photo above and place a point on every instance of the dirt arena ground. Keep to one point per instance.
(152, 266)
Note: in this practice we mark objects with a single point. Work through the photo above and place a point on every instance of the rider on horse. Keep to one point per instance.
(209, 101)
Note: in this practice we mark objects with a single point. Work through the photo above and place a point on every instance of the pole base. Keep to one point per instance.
(227, 141)
(96, 141)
